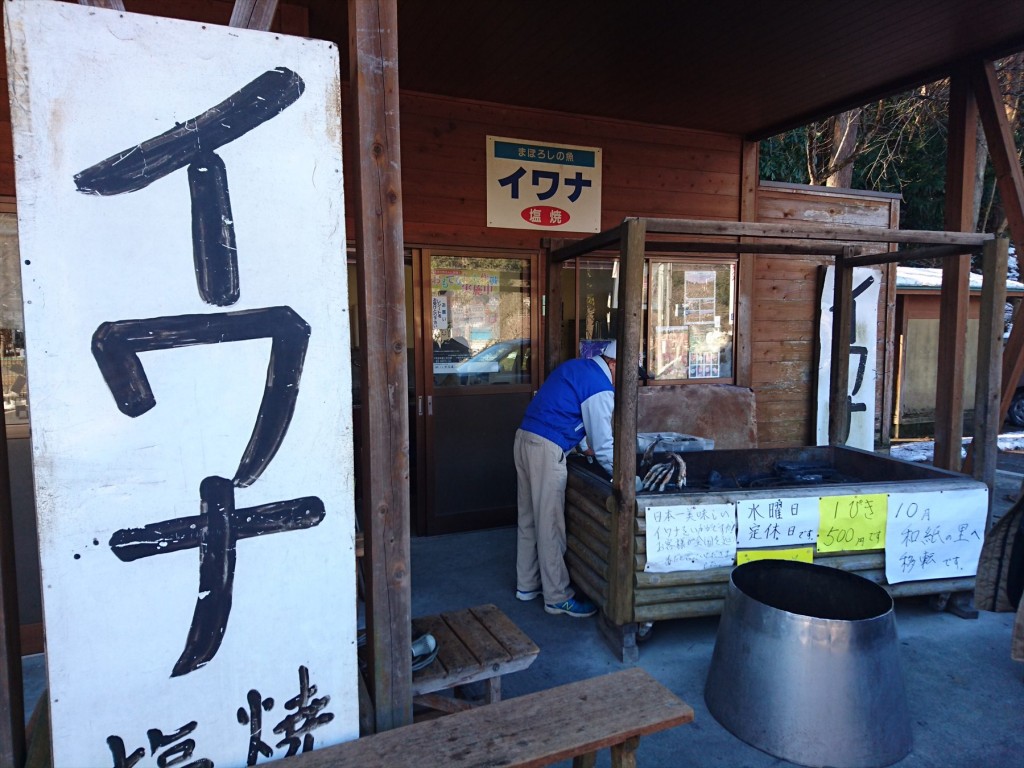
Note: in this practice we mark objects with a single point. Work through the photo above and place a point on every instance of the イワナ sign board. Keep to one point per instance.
(551, 187)
(180, 206)
(860, 431)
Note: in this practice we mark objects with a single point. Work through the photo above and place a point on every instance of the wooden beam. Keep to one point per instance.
(373, 51)
(12, 704)
(745, 245)
(925, 252)
(987, 418)
(953, 300)
(620, 554)
(598, 242)
(812, 231)
(253, 14)
(839, 368)
(1010, 181)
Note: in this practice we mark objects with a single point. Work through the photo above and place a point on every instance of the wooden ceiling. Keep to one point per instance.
(747, 67)
(736, 66)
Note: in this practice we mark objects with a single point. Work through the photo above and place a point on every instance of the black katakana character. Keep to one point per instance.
(512, 180)
(552, 177)
(192, 144)
(577, 182)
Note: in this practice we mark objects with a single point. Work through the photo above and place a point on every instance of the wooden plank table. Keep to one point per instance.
(477, 644)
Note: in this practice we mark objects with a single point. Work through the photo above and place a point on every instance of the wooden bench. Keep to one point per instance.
(474, 645)
(571, 721)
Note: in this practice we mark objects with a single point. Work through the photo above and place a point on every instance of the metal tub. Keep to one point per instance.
(806, 666)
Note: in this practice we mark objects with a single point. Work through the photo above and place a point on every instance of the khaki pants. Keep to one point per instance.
(540, 549)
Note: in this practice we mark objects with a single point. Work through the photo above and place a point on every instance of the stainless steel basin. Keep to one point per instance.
(806, 666)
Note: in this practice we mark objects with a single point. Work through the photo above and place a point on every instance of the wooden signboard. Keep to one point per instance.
(180, 214)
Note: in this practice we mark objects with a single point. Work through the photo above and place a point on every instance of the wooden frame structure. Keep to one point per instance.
(378, 210)
(847, 247)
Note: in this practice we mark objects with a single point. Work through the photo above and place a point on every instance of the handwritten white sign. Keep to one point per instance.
(439, 313)
(690, 537)
(777, 522)
(179, 197)
(934, 534)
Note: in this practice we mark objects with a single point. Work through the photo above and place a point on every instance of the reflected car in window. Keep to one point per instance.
(505, 362)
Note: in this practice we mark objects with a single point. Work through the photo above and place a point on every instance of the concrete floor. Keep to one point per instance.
(965, 694)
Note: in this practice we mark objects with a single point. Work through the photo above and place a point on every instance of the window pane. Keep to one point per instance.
(12, 325)
(690, 321)
(597, 314)
(480, 310)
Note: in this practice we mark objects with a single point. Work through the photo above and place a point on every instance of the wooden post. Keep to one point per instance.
(253, 14)
(839, 368)
(114, 5)
(620, 554)
(1010, 181)
(553, 352)
(12, 705)
(953, 300)
(743, 333)
(987, 417)
(373, 49)
(889, 384)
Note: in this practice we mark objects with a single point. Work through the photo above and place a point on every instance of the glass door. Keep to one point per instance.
(478, 340)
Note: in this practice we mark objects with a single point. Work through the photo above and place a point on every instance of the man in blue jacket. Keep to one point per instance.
(576, 401)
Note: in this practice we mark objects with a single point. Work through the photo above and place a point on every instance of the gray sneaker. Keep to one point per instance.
(578, 609)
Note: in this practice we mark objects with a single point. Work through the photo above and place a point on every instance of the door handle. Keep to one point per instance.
(419, 405)
(430, 405)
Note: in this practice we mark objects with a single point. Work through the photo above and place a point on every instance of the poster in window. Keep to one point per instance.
(670, 353)
(699, 297)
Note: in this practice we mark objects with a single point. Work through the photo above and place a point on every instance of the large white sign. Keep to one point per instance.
(180, 207)
(934, 534)
(863, 352)
(553, 187)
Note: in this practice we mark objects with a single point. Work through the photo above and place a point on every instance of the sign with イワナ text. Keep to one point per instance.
(775, 522)
(551, 187)
(863, 338)
(935, 534)
(179, 192)
(690, 537)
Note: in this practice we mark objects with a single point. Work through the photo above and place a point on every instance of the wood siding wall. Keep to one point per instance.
(648, 170)
(787, 293)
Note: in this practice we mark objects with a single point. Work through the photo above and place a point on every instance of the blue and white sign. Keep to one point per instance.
(543, 186)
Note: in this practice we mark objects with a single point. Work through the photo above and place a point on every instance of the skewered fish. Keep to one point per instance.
(661, 475)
